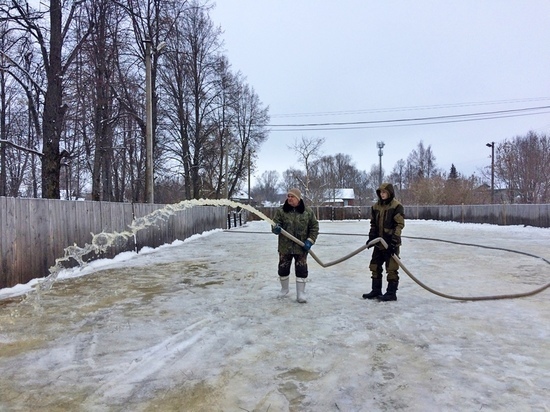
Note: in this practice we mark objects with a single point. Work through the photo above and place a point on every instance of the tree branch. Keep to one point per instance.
(25, 149)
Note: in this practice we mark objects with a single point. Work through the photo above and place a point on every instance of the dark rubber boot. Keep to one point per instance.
(390, 292)
(376, 289)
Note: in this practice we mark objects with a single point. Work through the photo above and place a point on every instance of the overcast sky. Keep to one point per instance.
(318, 62)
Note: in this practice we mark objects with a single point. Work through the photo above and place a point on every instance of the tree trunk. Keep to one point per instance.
(53, 109)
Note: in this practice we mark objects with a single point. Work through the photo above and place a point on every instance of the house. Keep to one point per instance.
(339, 197)
(242, 197)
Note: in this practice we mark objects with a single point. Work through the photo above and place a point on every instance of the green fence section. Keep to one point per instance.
(35, 232)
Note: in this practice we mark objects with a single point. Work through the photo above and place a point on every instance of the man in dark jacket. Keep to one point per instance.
(387, 221)
(299, 221)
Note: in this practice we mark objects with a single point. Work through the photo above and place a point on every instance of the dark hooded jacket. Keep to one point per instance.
(387, 216)
(300, 222)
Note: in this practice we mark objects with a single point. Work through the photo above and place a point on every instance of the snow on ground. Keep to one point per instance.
(196, 326)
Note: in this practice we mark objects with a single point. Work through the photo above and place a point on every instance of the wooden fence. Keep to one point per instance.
(502, 214)
(35, 232)
(498, 214)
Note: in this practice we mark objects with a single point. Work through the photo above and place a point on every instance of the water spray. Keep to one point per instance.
(102, 241)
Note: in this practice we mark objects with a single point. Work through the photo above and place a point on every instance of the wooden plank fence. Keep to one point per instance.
(501, 214)
(35, 232)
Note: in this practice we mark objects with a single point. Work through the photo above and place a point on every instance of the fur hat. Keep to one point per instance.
(295, 192)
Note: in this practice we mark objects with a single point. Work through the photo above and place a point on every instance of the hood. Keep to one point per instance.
(389, 188)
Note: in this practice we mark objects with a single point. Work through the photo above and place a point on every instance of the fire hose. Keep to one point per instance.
(421, 284)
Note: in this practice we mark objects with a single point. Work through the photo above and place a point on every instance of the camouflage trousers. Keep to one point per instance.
(381, 258)
(300, 265)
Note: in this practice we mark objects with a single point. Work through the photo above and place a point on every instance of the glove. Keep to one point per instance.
(307, 245)
(277, 229)
(371, 238)
(394, 243)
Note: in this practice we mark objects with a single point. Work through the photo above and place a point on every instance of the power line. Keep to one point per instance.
(406, 125)
(409, 108)
(467, 117)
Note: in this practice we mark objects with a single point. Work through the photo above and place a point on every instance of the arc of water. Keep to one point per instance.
(102, 241)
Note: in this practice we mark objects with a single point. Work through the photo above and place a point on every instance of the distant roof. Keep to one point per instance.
(340, 194)
(241, 194)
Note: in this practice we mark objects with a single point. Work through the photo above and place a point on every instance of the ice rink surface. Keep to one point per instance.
(197, 326)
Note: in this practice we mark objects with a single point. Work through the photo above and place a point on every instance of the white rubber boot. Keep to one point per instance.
(284, 286)
(300, 290)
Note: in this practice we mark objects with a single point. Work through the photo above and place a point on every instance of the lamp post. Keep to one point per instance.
(492, 146)
(380, 146)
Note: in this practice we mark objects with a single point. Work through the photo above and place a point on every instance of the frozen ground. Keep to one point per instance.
(196, 326)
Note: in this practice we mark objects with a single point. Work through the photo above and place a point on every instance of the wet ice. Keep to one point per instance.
(197, 326)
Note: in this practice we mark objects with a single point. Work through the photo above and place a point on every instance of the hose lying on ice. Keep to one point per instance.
(421, 284)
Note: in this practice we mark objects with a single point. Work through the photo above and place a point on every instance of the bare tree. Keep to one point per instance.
(203, 41)
(250, 121)
(216, 120)
(323, 180)
(328, 174)
(292, 178)
(397, 175)
(20, 81)
(267, 187)
(217, 159)
(210, 123)
(523, 165)
(52, 43)
(102, 53)
(194, 61)
(459, 189)
(363, 189)
(307, 149)
(421, 163)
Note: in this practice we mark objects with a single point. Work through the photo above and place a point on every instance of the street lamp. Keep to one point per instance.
(492, 146)
(380, 146)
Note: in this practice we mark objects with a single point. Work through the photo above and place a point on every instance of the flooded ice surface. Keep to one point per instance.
(196, 326)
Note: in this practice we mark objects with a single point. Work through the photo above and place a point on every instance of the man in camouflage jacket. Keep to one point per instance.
(299, 221)
(387, 221)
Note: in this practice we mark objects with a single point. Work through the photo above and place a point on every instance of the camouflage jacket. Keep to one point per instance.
(300, 222)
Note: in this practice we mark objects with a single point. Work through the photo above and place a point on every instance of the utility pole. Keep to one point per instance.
(492, 146)
(3, 132)
(227, 173)
(249, 166)
(149, 191)
(380, 146)
(149, 179)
